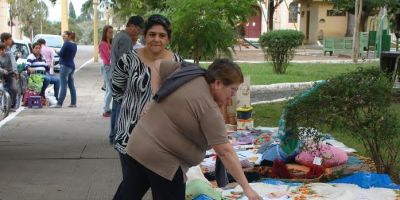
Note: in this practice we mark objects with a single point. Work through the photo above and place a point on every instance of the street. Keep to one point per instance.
(61, 153)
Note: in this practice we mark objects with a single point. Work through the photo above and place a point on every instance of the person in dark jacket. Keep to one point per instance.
(67, 56)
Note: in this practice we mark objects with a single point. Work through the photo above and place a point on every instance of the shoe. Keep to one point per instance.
(72, 106)
(103, 88)
(107, 114)
(55, 106)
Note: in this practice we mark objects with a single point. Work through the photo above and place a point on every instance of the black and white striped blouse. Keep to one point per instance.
(130, 86)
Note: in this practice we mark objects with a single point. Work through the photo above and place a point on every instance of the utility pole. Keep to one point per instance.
(64, 16)
(356, 36)
(95, 29)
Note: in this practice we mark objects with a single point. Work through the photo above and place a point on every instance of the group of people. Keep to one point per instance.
(41, 61)
(165, 112)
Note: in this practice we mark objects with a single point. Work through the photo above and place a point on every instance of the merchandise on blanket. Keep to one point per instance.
(347, 192)
(264, 190)
(198, 187)
(27, 94)
(203, 197)
(249, 155)
(245, 124)
(275, 151)
(250, 176)
(331, 156)
(195, 173)
(208, 164)
(304, 192)
(368, 180)
(35, 82)
(315, 172)
(339, 145)
(244, 112)
(262, 139)
(280, 170)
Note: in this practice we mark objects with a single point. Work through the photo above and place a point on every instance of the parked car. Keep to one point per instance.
(21, 50)
(55, 42)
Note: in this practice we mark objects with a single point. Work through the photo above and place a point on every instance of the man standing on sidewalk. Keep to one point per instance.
(10, 69)
(123, 41)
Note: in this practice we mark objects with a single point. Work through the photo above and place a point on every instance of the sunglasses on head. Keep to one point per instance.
(159, 19)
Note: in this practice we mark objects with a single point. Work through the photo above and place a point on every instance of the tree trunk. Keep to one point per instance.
(363, 21)
(271, 10)
(350, 25)
(356, 36)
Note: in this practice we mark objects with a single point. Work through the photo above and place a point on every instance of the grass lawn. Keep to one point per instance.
(261, 74)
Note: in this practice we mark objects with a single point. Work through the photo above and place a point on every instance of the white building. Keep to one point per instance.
(286, 16)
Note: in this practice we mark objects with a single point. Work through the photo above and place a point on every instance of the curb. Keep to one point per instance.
(282, 86)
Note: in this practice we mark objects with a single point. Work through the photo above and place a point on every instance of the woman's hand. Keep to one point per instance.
(251, 194)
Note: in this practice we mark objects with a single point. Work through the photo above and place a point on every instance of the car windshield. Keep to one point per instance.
(52, 41)
(20, 50)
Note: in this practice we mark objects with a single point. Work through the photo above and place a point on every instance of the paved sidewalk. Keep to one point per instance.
(57, 154)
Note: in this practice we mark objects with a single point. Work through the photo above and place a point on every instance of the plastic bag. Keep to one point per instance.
(35, 82)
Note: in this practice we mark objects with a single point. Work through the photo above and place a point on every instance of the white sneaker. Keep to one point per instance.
(55, 106)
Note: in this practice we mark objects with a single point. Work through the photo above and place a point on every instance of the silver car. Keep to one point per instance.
(55, 42)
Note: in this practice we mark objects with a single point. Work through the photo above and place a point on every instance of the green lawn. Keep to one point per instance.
(261, 74)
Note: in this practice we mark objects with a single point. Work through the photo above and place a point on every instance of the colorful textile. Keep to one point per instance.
(331, 156)
(196, 188)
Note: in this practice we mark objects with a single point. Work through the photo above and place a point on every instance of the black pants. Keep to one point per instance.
(138, 179)
(11, 86)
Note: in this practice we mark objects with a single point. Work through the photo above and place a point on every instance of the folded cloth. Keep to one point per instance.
(187, 72)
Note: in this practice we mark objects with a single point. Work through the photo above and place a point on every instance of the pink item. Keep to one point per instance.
(48, 53)
(105, 50)
(331, 156)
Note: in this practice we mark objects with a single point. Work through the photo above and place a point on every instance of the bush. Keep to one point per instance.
(280, 45)
(358, 103)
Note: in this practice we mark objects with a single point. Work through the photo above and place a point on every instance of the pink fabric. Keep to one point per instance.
(332, 156)
(105, 50)
(48, 54)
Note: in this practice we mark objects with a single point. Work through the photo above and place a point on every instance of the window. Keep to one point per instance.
(333, 13)
(293, 12)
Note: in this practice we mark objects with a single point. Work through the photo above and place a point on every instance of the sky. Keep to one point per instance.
(55, 10)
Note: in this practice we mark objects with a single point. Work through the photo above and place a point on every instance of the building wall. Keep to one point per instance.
(334, 26)
(320, 24)
(281, 17)
(4, 16)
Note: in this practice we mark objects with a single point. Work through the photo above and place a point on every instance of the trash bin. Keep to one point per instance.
(388, 61)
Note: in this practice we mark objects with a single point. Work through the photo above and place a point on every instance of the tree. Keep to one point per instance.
(370, 7)
(364, 111)
(273, 5)
(31, 14)
(280, 45)
(72, 13)
(204, 28)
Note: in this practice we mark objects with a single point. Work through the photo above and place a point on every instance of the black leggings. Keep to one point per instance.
(138, 179)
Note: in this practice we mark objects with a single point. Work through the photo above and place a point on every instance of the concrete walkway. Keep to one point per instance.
(59, 154)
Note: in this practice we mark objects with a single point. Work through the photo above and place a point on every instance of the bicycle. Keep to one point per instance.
(5, 100)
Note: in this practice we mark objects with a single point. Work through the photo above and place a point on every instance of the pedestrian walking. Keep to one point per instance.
(67, 64)
(123, 41)
(105, 53)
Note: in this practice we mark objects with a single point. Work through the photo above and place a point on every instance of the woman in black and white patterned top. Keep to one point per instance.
(135, 79)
